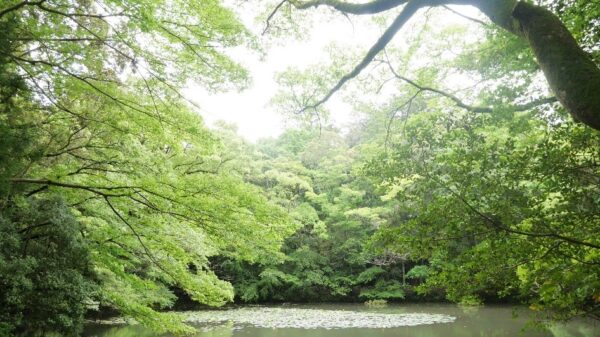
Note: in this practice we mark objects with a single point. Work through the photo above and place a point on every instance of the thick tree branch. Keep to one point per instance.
(376, 6)
(270, 17)
(573, 76)
(104, 191)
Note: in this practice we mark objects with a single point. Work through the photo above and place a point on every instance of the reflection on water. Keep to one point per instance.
(225, 330)
(489, 321)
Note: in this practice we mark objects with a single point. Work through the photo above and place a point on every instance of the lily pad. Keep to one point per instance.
(265, 317)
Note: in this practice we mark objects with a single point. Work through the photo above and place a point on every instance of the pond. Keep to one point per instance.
(357, 320)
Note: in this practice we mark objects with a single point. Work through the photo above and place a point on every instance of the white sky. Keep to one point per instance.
(250, 109)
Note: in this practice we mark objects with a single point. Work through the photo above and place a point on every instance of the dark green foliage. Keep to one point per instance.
(508, 212)
(386, 290)
(46, 278)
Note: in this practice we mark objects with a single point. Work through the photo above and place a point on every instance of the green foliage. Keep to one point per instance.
(46, 275)
(91, 114)
(114, 194)
(386, 290)
(496, 211)
(369, 274)
(335, 212)
(478, 206)
(418, 273)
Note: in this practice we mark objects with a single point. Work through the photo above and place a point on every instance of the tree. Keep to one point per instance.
(335, 211)
(91, 115)
(570, 71)
(47, 277)
(501, 207)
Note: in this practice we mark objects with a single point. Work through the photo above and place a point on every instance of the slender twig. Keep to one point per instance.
(467, 17)
(372, 7)
(148, 252)
(496, 224)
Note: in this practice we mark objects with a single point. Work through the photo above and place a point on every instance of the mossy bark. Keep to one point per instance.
(572, 75)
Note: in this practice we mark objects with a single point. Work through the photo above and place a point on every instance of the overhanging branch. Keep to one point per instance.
(104, 191)
(468, 107)
(407, 12)
(273, 12)
(19, 6)
(500, 226)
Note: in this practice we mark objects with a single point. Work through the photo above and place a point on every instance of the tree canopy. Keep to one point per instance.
(115, 196)
(101, 153)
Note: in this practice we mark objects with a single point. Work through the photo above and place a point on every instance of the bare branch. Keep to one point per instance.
(408, 105)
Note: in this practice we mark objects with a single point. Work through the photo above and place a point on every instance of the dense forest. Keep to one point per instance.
(115, 197)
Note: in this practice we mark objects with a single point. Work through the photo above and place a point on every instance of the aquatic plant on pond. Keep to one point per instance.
(312, 318)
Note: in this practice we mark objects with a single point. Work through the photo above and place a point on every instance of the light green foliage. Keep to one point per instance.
(114, 194)
(335, 212)
(91, 114)
(418, 272)
(153, 210)
(369, 274)
(479, 197)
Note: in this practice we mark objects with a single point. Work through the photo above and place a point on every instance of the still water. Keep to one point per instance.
(357, 320)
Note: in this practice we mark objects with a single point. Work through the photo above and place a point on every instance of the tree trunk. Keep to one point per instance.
(572, 75)
(403, 273)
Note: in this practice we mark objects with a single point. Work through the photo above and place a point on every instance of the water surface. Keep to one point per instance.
(357, 320)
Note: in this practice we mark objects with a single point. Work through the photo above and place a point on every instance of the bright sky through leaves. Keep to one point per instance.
(250, 109)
